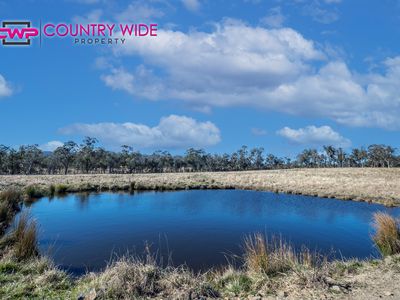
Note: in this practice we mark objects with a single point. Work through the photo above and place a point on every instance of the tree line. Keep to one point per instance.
(87, 157)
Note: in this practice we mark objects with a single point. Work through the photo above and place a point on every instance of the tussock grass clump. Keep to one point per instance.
(273, 256)
(4, 211)
(9, 205)
(33, 191)
(233, 281)
(52, 190)
(130, 277)
(11, 196)
(25, 238)
(61, 189)
(135, 278)
(387, 234)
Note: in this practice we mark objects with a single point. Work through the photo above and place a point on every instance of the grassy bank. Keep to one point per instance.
(359, 184)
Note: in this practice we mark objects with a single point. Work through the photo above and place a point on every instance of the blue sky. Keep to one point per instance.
(283, 75)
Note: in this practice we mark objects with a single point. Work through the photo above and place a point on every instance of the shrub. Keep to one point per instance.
(387, 234)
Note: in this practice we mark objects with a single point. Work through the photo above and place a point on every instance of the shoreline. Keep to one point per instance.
(373, 185)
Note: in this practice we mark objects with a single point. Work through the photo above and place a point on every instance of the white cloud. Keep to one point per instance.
(274, 18)
(273, 69)
(119, 79)
(192, 5)
(172, 132)
(5, 88)
(312, 135)
(51, 146)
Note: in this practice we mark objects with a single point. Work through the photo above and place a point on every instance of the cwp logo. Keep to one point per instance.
(17, 33)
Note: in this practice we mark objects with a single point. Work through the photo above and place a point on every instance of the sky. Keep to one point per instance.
(283, 75)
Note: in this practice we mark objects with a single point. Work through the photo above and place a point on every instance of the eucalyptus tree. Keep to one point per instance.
(341, 157)
(86, 154)
(309, 158)
(243, 158)
(89, 158)
(3, 159)
(194, 159)
(256, 158)
(381, 155)
(273, 162)
(30, 157)
(101, 159)
(358, 157)
(66, 154)
(331, 154)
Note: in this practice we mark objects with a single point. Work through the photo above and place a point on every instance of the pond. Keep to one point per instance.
(202, 228)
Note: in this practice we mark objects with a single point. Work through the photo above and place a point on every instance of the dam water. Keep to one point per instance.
(199, 228)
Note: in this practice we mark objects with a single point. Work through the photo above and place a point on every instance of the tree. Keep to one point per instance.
(256, 158)
(194, 158)
(331, 154)
(88, 158)
(85, 155)
(30, 156)
(341, 157)
(358, 157)
(66, 154)
(381, 155)
(309, 158)
(243, 159)
(3, 159)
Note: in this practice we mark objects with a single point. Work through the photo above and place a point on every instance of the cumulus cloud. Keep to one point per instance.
(5, 88)
(312, 135)
(51, 146)
(273, 69)
(192, 5)
(172, 132)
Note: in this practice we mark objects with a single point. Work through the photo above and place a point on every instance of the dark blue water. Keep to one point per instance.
(200, 228)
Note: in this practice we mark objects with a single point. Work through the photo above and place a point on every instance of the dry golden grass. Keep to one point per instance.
(274, 256)
(360, 184)
(387, 235)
